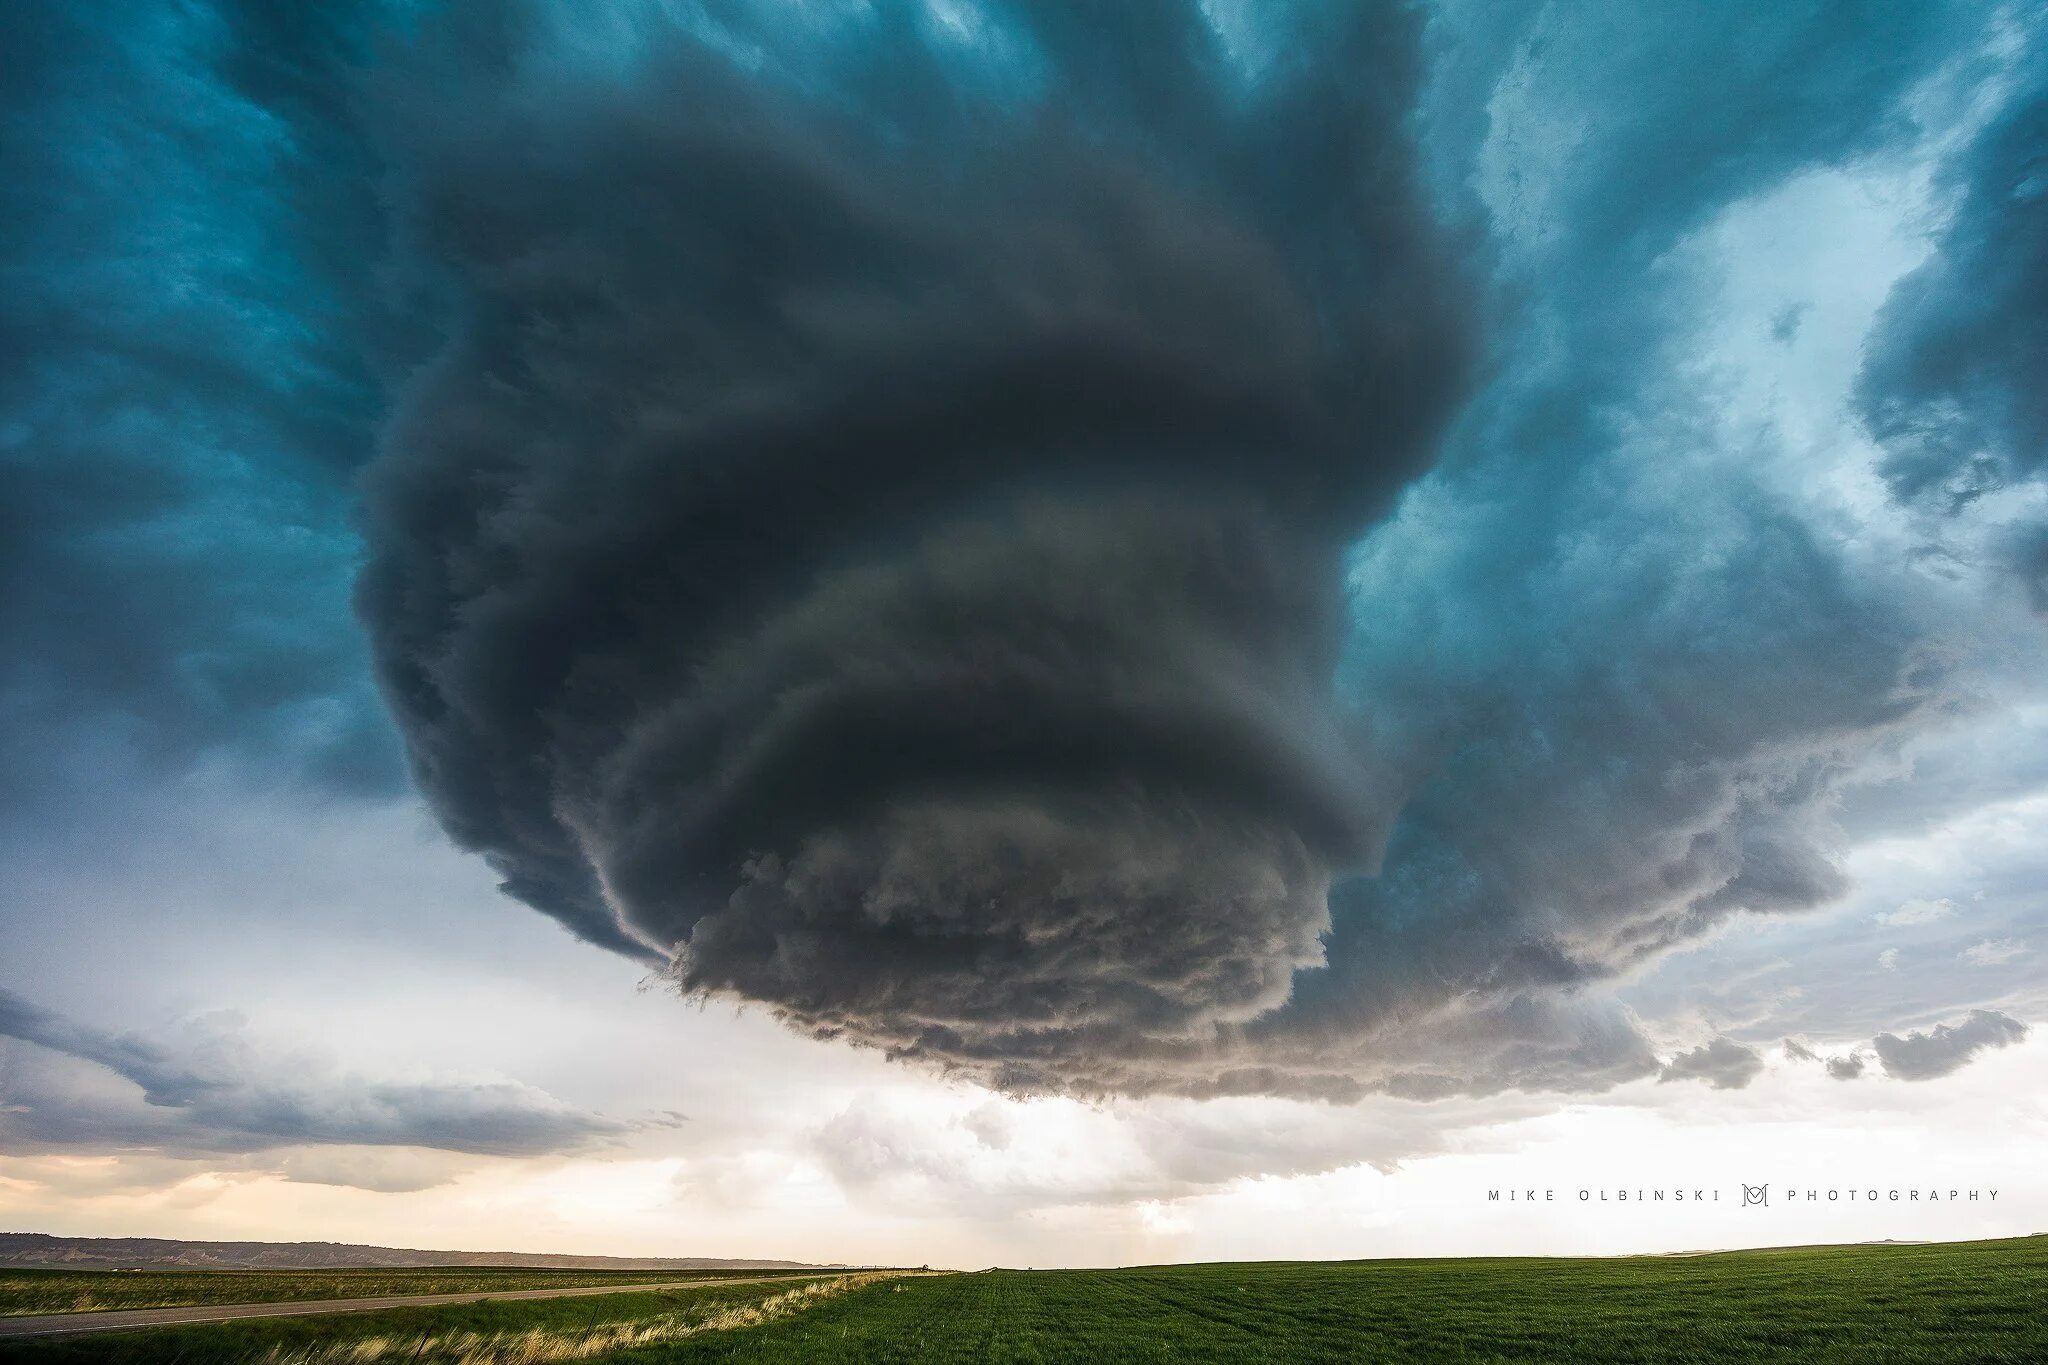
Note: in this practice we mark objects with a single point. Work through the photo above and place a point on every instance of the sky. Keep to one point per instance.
(971, 633)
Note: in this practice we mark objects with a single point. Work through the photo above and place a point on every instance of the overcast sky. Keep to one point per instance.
(935, 633)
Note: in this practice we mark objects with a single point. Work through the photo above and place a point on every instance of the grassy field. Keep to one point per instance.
(85, 1291)
(1982, 1301)
(1979, 1301)
(524, 1332)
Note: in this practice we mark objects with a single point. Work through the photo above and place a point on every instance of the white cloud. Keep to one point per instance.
(1889, 959)
(1918, 912)
(1993, 952)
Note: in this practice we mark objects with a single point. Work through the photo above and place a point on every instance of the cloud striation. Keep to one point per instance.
(1125, 550)
(875, 530)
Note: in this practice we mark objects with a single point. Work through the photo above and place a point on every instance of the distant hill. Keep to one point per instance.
(114, 1253)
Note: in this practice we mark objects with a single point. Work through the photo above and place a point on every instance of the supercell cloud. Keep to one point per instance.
(903, 526)
(1192, 549)
(875, 530)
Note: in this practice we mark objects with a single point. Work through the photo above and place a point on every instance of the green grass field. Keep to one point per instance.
(84, 1291)
(1979, 1301)
(490, 1333)
(1982, 1301)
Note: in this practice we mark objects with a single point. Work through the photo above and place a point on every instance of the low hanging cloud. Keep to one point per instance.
(1945, 1048)
(207, 1090)
(1722, 1063)
(1846, 1066)
(381, 1170)
(1914, 1056)
(1035, 1154)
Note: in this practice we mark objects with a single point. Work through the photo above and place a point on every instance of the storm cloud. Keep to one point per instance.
(1951, 381)
(190, 226)
(1112, 549)
(875, 531)
(1129, 552)
(204, 1089)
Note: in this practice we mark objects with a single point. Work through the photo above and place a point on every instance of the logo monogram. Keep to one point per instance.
(1755, 1194)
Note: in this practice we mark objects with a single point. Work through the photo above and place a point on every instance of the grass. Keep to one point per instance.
(1971, 1301)
(521, 1332)
(1982, 1301)
(84, 1291)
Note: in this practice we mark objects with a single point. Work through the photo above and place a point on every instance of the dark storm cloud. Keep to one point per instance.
(204, 1091)
(1627, 703)
(1945, 1048)
(879, 522)
(1952, 378)
(1620, 670)
(875, 530)
(1722, 1063)
(186, 226)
